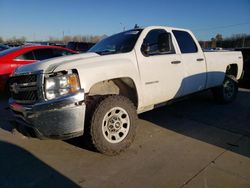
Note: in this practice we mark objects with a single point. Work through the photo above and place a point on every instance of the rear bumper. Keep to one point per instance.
(56, 119)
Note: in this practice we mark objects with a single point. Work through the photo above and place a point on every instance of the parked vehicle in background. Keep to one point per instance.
(3, 47)
(52, 44)
(14, 57)
(246, 63)
(14, 44)
(47, 43)
(102, 91)
(80, 46)
(61, 45)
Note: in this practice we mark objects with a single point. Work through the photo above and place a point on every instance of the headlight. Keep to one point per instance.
(58, 86)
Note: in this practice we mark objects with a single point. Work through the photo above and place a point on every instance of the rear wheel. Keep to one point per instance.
(113, 125)
(228, 91)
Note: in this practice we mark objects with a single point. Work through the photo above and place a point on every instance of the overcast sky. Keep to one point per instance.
(39, 19)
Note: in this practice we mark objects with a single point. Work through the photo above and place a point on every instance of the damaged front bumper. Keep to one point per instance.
(61, 118)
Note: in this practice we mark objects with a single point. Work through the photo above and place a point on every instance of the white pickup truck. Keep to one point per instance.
(103, 90)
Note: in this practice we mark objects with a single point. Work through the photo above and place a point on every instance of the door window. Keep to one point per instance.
(43, 54)
(185, 42)
(61, 52)
(26, 56)
(157, 42)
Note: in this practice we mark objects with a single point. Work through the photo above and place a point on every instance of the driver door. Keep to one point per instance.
(160, 67)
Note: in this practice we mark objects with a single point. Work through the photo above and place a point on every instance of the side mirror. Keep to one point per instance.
(164, 42)
(145, 49)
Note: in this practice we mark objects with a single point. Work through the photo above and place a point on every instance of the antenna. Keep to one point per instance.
(136, 26)
(123, 27)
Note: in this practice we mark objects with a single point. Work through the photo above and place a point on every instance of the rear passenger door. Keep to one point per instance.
(193, 62)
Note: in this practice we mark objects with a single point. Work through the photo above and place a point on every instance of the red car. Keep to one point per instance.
(12, 58)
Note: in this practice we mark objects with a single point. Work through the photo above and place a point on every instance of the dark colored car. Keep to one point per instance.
(80, 46)
(3, 47)
(246, 64)
(14, 57)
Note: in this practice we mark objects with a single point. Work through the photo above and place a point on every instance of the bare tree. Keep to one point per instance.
(95, 39)
(219, 37)
(85, 38)
(16, 41)
(21, 40)
(67, 39)
(234, 41)
(77, 38)
(53, 39)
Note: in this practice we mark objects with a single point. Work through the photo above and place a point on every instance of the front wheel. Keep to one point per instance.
(227, 92)
(113, 125)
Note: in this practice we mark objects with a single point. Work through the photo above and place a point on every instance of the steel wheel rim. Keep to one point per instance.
(115, 125)
(228, 89)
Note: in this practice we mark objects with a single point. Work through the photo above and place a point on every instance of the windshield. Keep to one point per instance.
(118, 43)
(5, 52)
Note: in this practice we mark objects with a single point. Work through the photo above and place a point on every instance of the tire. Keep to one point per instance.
(227, 92)
(113, 125)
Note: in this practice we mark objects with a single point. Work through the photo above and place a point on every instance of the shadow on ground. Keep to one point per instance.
(199, 117)
(20, 168)
(244, 84)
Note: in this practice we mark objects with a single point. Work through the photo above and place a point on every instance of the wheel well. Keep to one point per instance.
(119, 86)
(232, 69)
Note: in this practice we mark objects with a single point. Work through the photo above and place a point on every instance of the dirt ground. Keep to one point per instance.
(191, 143)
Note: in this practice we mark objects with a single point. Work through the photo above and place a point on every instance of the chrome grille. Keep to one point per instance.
(24, 88)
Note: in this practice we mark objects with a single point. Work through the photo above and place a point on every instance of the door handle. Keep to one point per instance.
(200, 59)
(176, 62)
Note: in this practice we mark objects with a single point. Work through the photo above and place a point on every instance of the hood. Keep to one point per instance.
(51, 64)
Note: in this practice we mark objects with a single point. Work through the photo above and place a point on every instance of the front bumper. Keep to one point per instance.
(57, 119)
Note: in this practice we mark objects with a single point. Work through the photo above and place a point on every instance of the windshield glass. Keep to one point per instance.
(118, 43)
(5, 52)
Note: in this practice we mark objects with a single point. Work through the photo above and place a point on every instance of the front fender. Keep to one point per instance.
(106, 67)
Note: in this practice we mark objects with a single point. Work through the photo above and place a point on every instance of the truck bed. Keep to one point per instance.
(217, 61)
